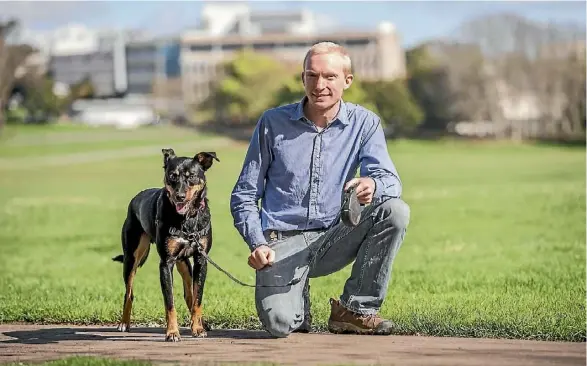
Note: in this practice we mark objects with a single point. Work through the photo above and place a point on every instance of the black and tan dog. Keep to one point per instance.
(177, 219)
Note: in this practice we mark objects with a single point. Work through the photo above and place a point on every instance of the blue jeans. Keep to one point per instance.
(372, 245)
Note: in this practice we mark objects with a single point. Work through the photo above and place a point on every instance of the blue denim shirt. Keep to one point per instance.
(299, 172)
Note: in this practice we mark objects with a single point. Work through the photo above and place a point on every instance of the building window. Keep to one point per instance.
(357, 42)
(264, 46)
(197, 47)
(231, 46)
(298, 45)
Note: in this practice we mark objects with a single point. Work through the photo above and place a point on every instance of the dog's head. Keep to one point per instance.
(185, 178)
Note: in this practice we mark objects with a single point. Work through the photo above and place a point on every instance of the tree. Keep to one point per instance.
(40, 101)
(528, 73)
(574, 83)
(250, 81)
(429, 84)
(11, 57)
(398, 109)
(84, 89)
(455, 85)
(559, 82)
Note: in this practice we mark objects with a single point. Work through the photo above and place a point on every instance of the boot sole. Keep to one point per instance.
(348, 328)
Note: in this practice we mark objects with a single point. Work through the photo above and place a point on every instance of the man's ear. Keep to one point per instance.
(303, 79)
(167, 154)
(348, 81)
(205, 159)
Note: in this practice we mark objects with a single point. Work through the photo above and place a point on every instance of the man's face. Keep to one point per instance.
(325, 80)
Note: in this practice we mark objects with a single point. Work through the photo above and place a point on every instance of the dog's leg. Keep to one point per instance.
(131, 261)
(184, 268)
(166, 278)
(196, 323)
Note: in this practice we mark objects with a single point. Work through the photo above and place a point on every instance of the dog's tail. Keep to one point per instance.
(118, 258)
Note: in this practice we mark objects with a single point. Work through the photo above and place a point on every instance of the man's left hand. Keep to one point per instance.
(365, 188)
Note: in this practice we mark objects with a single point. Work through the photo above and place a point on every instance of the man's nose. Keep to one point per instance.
(320, 83)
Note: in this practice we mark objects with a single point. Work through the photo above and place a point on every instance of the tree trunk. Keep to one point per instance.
(2, 117)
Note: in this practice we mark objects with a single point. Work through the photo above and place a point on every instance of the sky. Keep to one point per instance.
(416, 21)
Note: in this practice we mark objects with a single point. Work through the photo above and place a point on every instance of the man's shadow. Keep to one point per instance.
(139, 334)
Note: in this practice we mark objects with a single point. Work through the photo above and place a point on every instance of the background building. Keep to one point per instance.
(148, 61)
(174, 72)
(76, 52)
(376, 55)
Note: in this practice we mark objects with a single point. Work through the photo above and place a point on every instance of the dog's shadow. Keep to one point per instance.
(141, 334)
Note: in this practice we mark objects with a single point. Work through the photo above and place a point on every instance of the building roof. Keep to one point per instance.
(189, 39)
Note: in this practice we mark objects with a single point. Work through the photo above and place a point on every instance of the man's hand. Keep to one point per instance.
(365, 188)
(262, 256)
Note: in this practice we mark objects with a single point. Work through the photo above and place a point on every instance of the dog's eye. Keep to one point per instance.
(173, 176)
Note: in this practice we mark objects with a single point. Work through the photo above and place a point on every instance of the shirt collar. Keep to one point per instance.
(298, 112)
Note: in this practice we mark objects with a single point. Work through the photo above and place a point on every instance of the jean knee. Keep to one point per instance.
(278, 323)
(396, 212)
(279, 315)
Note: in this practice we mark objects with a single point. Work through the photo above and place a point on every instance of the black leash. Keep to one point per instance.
(295, 281)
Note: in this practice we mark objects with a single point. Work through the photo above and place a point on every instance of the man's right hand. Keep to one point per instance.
(262, 256)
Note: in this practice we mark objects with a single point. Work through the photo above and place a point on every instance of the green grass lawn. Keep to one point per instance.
(495, 247)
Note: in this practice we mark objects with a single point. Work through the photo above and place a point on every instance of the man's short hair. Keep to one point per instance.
(322, 48)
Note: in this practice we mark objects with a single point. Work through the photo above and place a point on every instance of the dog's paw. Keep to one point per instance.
(199, 332)
(172, 336)
(123, 327)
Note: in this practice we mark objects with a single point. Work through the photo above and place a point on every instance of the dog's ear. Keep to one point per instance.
(205, 159)
(167, 154)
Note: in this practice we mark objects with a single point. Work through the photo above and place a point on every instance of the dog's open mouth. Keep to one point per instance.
(182, 207)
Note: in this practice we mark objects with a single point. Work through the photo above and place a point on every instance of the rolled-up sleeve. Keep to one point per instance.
(250, 186)
(377, 164)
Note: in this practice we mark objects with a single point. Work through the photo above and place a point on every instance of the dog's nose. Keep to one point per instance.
(180, 196)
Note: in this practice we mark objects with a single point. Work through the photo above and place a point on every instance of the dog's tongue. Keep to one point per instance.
(181, 207)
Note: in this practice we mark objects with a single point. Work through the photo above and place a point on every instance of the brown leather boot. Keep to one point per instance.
(343, 320)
